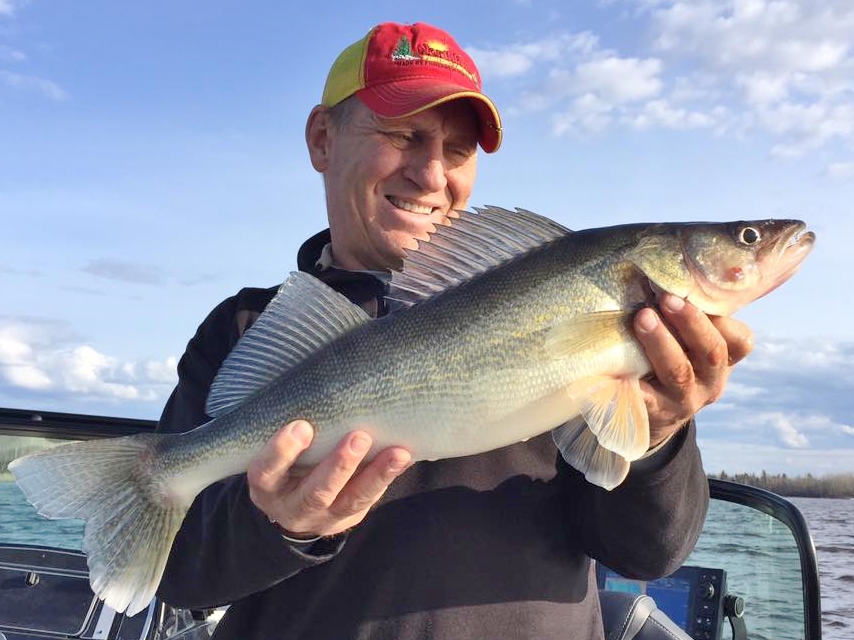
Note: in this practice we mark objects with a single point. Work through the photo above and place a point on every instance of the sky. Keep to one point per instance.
(152, 163)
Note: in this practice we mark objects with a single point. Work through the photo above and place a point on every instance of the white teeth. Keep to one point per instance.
(410, 206)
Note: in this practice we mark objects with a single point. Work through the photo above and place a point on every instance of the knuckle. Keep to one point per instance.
(716, 391)
(717, 355)
(259, 477)
(681, 378)
(317, 500)
(355, 504)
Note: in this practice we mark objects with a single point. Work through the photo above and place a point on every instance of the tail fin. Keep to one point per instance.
(130, 519)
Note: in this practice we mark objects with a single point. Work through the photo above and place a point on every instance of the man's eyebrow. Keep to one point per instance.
(397, 122)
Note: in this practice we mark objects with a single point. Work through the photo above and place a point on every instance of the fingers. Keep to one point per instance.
(268, 469)
(333, 496)
(691, 356)
(705, 347)
(321, 487)
(665, 353)
(738, 338)
(370, 483)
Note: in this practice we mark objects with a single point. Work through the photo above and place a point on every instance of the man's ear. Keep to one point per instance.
(318, 132)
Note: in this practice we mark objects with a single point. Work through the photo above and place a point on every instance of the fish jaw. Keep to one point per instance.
(743, 261)
(721, 267)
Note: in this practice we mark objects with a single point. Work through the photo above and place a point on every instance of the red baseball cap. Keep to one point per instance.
(399, 70)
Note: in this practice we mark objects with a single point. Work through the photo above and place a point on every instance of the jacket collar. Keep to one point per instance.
(365, 288)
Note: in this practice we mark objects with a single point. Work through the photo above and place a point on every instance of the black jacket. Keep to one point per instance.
(497, 545)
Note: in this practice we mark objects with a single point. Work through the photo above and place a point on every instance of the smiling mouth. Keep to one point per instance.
(410, 206)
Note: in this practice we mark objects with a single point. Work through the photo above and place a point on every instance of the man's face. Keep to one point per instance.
(389, 181)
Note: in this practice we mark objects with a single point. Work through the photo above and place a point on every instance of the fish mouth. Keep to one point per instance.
(795, 244)
(790, 251)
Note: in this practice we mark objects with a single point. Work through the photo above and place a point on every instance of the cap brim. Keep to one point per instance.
(405, 98)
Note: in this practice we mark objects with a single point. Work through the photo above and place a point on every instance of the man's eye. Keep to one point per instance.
(400, 138)
(460, 152)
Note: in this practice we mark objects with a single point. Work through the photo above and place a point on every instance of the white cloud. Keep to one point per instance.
(793, 53)
(784, 426)
(36, 356)
(619, 80)
(777, 36)
(27, 376)
(787, 396)
(162, 370)
(807, 126)
(8, 54)
(586, 113)
(784, 68)
(763, 88)
(86, 371)
(517, 59)
(833, 359)
(842, 171)
(32, 84)
(739, 391)
(122, 271)
(660, 113)
(7, 7)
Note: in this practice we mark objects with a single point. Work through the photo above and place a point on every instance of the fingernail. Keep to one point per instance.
(674, 304)
(360, 444)
(647, 321)
(396, 465)
(302, 432)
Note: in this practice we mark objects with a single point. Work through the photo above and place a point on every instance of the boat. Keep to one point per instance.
(753, 572)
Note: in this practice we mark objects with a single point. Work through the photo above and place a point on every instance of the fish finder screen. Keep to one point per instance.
(672, 595)
(692, 597)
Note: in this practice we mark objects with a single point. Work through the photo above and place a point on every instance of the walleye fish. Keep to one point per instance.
(509, 325)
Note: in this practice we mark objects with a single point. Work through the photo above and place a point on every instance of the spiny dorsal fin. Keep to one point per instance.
(472, 244)
(304, 315)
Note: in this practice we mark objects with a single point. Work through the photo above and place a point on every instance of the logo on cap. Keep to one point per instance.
(432, 51)
(403, 50)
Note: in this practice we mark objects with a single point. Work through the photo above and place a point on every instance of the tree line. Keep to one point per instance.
(840, 485)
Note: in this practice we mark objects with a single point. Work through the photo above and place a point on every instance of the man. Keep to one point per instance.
(487, 546)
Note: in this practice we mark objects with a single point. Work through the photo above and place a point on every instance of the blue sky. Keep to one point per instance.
(152, 163)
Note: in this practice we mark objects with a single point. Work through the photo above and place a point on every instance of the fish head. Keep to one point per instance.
(720, 267)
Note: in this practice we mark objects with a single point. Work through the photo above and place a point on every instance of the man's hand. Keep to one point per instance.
(333, 496)
(691, 361)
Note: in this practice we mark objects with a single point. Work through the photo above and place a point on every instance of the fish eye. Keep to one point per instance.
(749, 235)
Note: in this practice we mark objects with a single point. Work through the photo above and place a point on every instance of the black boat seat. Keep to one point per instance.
(45, 594)
(636, 617)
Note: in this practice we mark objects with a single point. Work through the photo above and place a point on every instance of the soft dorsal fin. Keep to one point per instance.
(472, 244)
(304, 315)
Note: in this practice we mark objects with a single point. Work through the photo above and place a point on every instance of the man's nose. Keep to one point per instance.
(427, 169)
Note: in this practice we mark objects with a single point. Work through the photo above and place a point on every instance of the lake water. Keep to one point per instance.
(831, 523)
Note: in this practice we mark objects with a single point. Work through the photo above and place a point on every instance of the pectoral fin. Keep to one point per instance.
(590, 331)
(581, 450)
